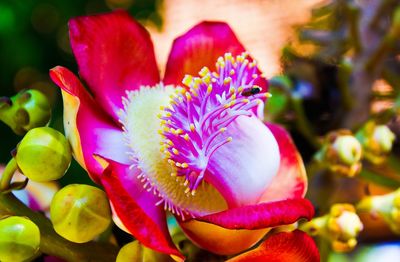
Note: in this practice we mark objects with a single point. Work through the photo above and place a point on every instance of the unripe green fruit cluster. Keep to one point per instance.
(19, 239)
(79, 213)
(44, 154)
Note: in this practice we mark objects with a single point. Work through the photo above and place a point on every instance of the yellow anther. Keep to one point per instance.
(187, 80)
(186, 182)
(184, 165)
(209, 89)
(175, 151)
(206, 79)
(169, 142)
(168, 114)
(160, 131)
(240, 89)
(159, 115)
(171, 162)
(227, 80)
(229, 139)
(187, 190)
(233, 96)
(192, 128)
(186, 137)
(188, 96)
(193, 192)
(232, 90)
(215, 74)
(246, 101)
(167, 153)
(178, 131)
(222, 129)
(228, 56)
(178, 164)
(163, 122)
(232, 72)
(204, 71)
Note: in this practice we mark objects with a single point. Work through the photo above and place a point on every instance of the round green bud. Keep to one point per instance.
(79, 213)
(19, 239)
(136, 252)
(26, 110)
(44, 154)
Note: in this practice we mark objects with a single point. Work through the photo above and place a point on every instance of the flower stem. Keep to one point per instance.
(7, 175)
(53, 244)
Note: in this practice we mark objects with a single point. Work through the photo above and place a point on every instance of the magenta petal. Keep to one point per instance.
(294, 246)
(84, 118)
(200, 46)
(137, 209)
(263, 215)
(114, 54)
(242, 169)
(291, 180)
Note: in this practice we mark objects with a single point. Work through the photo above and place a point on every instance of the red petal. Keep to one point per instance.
(137, 209)
(200, 46)
(291, 180)
(114, 54)
(295, 246)
(89, 130)
(263, 215)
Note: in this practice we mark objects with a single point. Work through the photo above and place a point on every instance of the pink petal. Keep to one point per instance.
(291, 180)
(242, 169)
(89, 130)
(114, 54)
(295, 246)
(262, 215)
(137, 209)
(201, 46)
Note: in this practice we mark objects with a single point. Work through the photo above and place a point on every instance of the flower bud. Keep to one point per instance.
(341, 153)
(341, 227)
(44, 154)
(19, 239)
(80, 212)
(387, 206)
(377, 142)
(26, 110)
(136, 252)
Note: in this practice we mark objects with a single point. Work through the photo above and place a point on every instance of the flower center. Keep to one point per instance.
(141, 126)
(195, 122)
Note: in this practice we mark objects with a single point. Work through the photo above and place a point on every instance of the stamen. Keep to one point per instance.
(203, 113)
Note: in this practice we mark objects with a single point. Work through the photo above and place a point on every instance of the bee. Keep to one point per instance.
(251, 91)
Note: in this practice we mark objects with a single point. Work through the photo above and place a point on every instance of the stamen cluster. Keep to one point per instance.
(194, 125)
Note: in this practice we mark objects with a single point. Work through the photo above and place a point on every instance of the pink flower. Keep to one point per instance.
(193, 145)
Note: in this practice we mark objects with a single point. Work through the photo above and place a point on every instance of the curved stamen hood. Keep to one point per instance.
(197, 118)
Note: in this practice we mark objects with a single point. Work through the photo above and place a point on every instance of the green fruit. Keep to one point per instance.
(136, 252)
(44, 154)
(19, 239)
(79, 213)
(26, 110)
